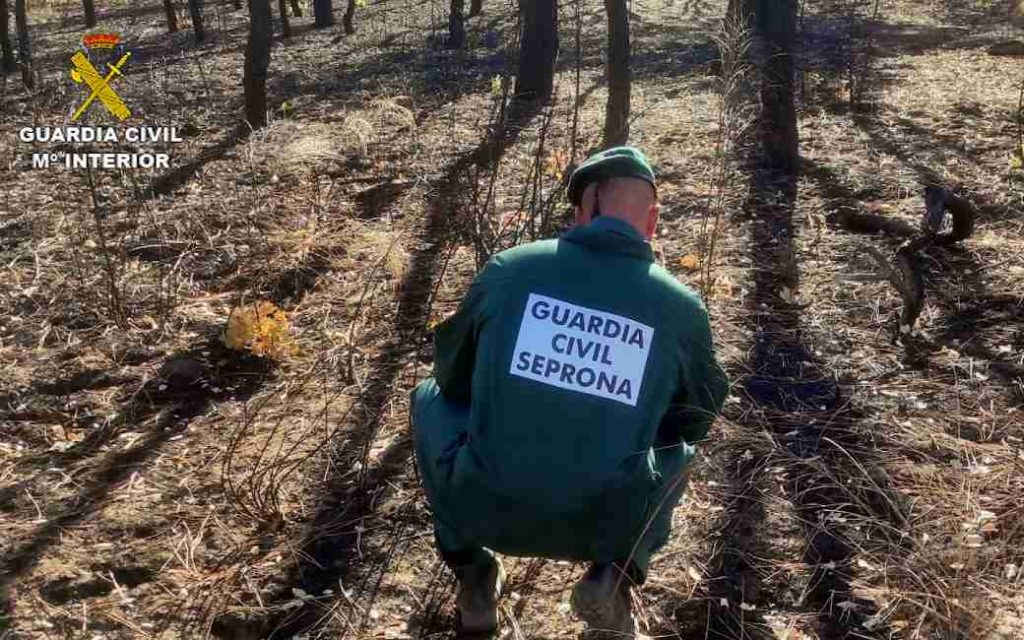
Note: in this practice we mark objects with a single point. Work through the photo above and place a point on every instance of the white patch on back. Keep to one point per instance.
(572, 347)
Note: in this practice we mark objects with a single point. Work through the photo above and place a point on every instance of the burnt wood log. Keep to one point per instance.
(873, 223)
(904, 271)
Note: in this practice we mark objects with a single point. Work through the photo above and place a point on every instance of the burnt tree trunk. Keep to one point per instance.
(7, 63)
(323, 13)
(775, 26)
(476, 7)
(286, 27)
(616, 115)
(24, 46)
(296, 8)
(538, 50)
(89, 7)
(172, 18)
(195, 10)
(457, 24)
(347, 19)
(257, 60)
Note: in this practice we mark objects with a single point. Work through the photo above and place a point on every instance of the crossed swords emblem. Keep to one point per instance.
(84, 72)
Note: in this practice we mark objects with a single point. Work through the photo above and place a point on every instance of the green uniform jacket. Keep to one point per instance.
(587, 371)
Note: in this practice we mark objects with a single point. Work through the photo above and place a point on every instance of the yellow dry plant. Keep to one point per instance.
(262, 329)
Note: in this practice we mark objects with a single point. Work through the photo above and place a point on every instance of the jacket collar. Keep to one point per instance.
(610, 235)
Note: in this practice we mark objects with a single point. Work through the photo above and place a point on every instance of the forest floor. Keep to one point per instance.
(156, 484)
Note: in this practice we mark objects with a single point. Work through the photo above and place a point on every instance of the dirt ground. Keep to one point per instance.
(156, 484)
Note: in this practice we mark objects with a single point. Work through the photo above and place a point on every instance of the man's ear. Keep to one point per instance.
(581, 220)
(585, 211)
(652, 220)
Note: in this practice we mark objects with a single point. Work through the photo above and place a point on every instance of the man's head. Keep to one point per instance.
(619, 183)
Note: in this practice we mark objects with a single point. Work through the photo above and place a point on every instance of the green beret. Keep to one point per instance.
(617, 162)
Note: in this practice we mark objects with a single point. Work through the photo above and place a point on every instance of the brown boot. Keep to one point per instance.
(477, 596)
(602, 600)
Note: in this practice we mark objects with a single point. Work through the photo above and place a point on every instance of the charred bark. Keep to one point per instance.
(538, 51)
(323, 13)
(775, 24)
(616, 115)
(257, 61)
(195, 10)
(89, 8)
(286, 27)
(349, 17)
(172, 17)
(24, 45)
(457, 24)
(7, 63)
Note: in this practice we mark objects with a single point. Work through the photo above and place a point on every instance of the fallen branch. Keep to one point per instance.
(873, 223)
(905, 275)
(904, 270)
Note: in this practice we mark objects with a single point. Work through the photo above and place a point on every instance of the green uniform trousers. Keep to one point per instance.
(439, 431)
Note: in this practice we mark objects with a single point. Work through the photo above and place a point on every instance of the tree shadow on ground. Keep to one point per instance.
(667, 52)
(815, 435)
(331, 551)
(180, 175)
(78, 19)
(801, 406)
(435, 77)
(191, 382)
(978, 323)
(908, 142)
(837, 51)
(975, 14)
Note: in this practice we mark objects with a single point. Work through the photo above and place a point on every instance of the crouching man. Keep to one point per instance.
(569, 390)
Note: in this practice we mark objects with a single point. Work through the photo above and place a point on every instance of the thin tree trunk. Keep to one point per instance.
(476, 7)
(457, 24)
(286, 27)
(7, 64)
(90, 13)
(257, 61)
(297, 8)
(172, 18)
(350, 13)
(776, 27)
(195, 10)
(24, 46)
(323, 13)
(616, 115)
(538, 50)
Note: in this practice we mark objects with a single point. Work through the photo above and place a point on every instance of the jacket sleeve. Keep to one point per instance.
(455, 342)
(702, 390)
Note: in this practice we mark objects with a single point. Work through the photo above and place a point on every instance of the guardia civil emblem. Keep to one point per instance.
(97, 67)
